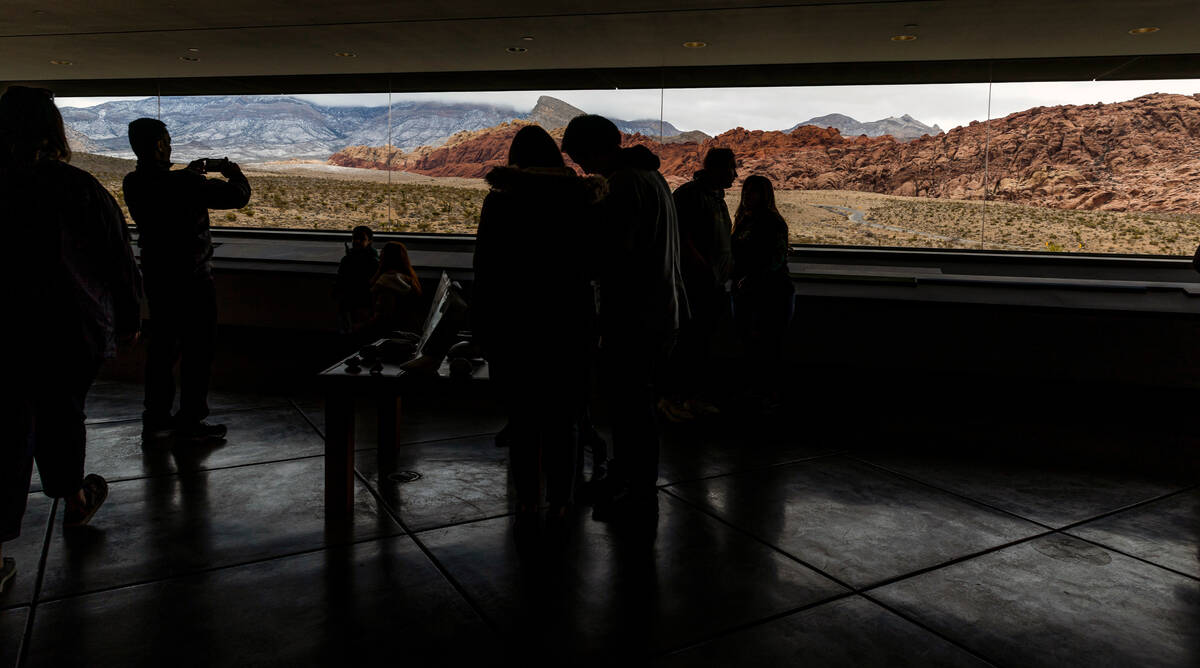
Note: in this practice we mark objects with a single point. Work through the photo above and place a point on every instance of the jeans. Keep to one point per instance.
(183, 328)
(43, 417)
(632, 366)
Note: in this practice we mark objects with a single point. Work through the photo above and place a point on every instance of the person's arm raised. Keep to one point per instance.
(231, 194)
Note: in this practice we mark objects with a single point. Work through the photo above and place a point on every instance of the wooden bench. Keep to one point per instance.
(342, 385)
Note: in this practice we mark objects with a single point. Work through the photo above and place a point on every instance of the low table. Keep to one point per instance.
(387, 384)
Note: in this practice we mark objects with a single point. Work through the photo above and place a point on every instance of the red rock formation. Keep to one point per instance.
(1139, 155)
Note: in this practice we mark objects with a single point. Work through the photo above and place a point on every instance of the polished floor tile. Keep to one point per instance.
(112, 401)
(1053, 494)
(117, 452)
(698, 450)
(12, 629)
(853, 521)
(27, 551)
(109, 401)
(423, 419)
(173, 525)
(1166, 532)
(461, 479)
(605, 593)
(851, 632)
(374, 603)
(1058, 601)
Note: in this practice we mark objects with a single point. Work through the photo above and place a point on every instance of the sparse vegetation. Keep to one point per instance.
(339, 200)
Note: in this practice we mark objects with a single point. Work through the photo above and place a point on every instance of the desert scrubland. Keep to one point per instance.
(323, 197)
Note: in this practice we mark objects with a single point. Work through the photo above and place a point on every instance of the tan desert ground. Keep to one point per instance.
(317, 196)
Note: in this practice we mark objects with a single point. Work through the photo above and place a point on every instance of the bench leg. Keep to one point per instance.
(339, 458)
(389, 429)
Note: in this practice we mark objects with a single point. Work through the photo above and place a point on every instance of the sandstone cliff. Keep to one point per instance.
(1139, 155)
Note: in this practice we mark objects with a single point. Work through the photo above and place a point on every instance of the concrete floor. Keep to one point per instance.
(773, 547)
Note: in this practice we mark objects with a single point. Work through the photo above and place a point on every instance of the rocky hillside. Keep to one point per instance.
(904, 128)
(1141, 155)
(254, 128)
(273, 127)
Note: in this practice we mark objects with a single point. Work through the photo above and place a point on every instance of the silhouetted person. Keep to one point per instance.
(352, 290)
(641, 300)
(532, 311)
(395, 293)
(705, 260)
(763, 293)
(170, 209)
(72, 292)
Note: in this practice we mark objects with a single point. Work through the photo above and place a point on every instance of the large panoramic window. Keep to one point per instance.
(1092, 167)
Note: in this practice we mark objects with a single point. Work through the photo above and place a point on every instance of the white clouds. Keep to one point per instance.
(717, 110)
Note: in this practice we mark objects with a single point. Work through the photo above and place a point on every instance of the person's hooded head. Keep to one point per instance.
(593, 142)
(720, 167)
(533, 147)
(31, 128)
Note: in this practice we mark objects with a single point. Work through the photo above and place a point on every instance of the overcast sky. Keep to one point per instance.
(717, 110)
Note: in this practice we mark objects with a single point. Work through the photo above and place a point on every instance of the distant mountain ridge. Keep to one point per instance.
(552, 114)
(904, 128)
(268, 127)
(1138, 155)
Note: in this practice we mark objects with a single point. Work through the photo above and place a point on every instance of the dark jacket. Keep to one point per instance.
(170, 209)
(395, 304)
(704, 225)
(532, 294)
(353, 286)
(74, 283)
(641, 289)
(760, 252)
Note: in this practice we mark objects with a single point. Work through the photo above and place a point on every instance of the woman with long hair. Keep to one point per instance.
(395, 293)
(763, 294)
(532, 308)
(74, 290)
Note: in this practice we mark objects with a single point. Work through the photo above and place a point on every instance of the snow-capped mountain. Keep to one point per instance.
(269, 127)
(265, 127)
(904, 128)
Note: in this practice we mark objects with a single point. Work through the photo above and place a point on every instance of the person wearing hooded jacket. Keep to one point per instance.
(705, 260)
(642, 302)
(74, 291)
(532, 311)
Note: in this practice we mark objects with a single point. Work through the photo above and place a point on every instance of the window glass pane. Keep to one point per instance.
(1096, 166)
(1104, 167)
(851, 165)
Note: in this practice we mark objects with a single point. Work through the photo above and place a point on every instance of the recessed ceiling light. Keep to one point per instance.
(190, 59)
(695, 45)
(528, 38)
(516, 49)
(1143, 31)
(61, 62)
(193, 49)
(345, 54)
(903, 38)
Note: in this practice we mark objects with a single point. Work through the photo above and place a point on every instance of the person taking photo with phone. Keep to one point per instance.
(170, 209)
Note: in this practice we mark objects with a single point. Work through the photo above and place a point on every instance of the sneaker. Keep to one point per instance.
(95, 491)
(628, 506)
(8, 570)
(701, 407)
(674, 412)
(156, 428)
(200, 431)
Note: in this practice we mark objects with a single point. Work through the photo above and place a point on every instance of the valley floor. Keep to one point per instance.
(309, 195)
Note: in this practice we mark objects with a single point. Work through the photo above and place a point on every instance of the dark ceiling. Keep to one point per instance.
(268, 46)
